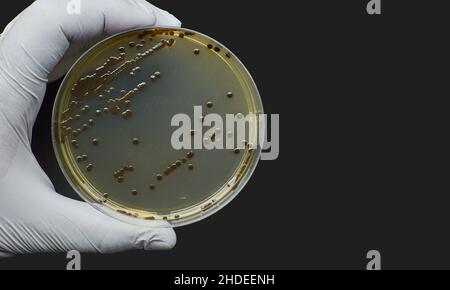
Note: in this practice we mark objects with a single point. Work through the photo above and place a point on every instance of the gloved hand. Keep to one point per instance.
(38, 45)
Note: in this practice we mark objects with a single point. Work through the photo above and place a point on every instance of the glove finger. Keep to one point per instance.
(92, 231)
(64, 225)
(106, 235)
(30, 52)
(34, 218)
(72, 55)
(162, 18)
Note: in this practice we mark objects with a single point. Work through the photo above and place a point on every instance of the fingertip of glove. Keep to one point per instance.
(159, 16)
(157, 239)
(171, 19)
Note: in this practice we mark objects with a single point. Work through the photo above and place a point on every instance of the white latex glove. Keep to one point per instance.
(46, 39)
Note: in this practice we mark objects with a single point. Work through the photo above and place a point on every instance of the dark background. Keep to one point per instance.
(363, 163)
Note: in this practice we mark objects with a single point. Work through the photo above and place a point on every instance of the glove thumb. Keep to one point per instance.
(85, 229)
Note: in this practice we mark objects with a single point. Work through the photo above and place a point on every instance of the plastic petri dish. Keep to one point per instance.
(139, 119)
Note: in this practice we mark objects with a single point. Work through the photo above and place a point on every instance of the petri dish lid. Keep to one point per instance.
(138, 122)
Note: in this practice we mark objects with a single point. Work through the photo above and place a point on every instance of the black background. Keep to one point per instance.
(363, 163)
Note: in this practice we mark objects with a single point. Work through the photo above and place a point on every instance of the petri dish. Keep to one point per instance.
(120, 120)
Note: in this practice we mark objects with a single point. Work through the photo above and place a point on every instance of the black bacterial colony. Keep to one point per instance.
(112, 126)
